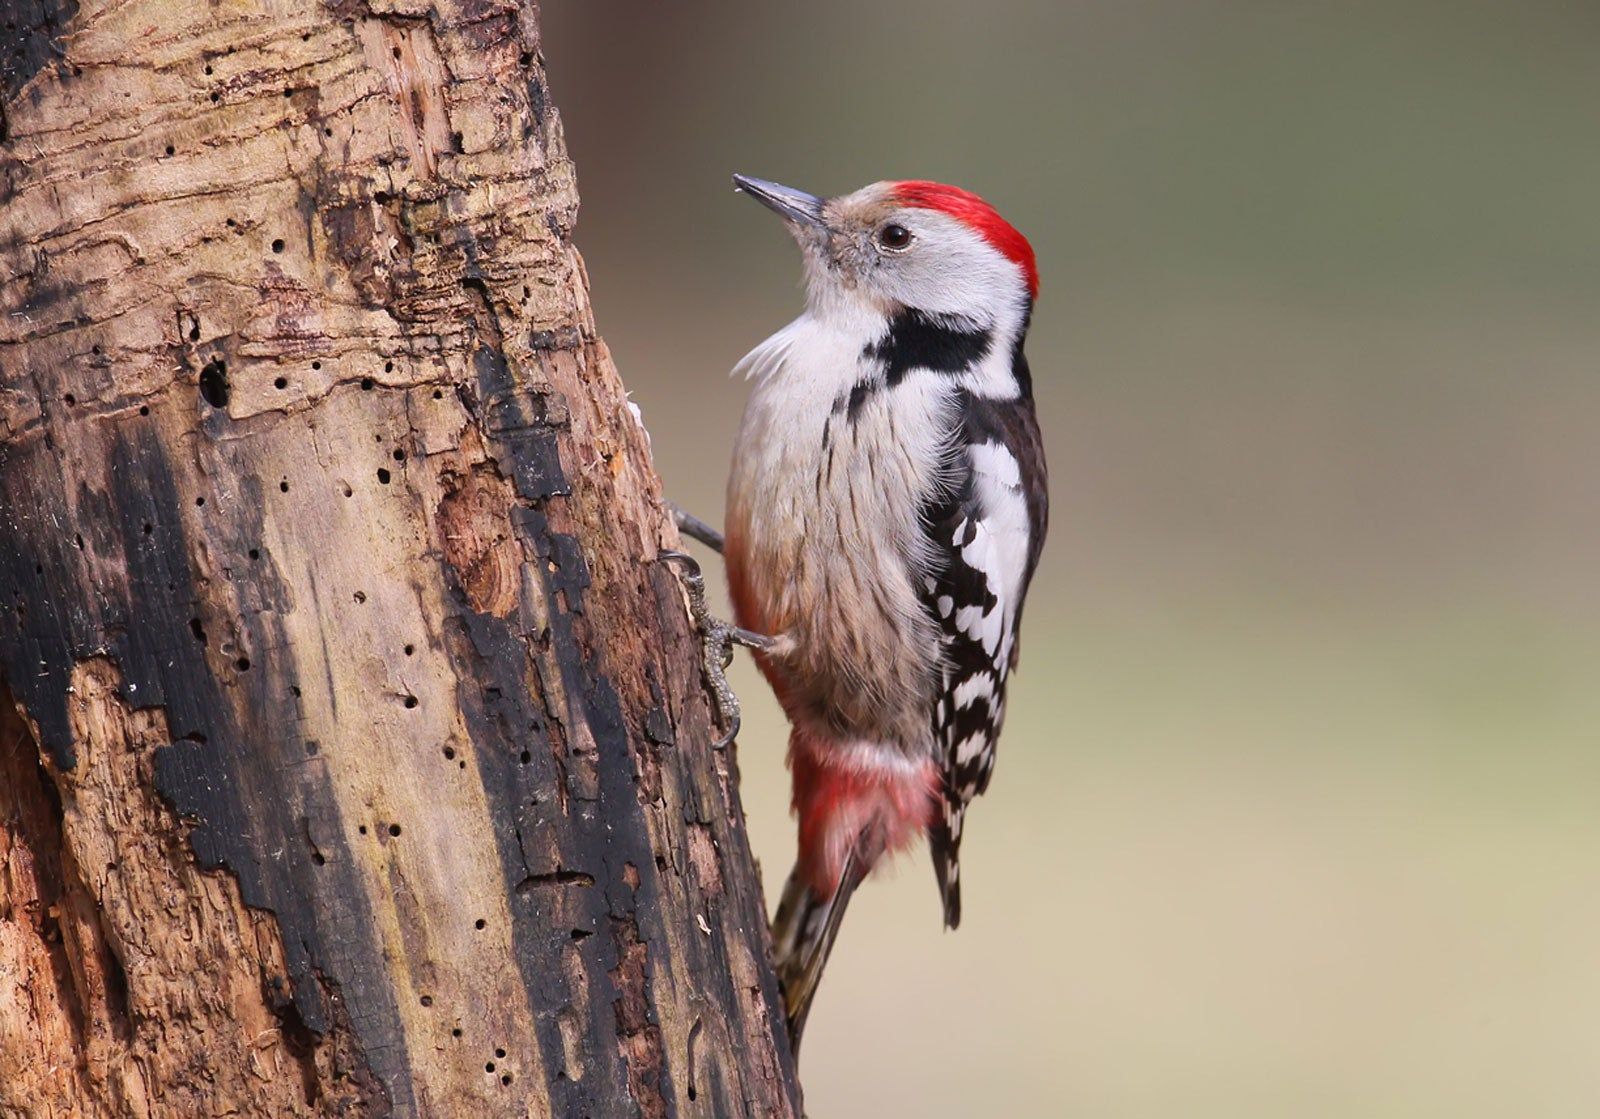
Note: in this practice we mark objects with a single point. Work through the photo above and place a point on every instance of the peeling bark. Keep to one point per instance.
(354, 757)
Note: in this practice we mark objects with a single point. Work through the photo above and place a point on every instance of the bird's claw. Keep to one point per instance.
(717, 639)
(694, 528)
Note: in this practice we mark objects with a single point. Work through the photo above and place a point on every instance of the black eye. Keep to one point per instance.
(894, 237)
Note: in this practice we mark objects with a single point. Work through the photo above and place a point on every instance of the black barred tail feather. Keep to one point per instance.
(803, 933)
(944, 841)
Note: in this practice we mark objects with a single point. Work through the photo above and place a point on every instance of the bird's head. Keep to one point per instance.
(910, 244)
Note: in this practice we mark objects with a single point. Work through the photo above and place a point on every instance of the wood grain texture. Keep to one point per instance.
(353, 751)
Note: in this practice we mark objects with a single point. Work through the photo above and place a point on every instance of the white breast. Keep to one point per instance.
(823, 508)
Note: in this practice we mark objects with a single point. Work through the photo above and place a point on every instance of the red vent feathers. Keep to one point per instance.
(978, 216)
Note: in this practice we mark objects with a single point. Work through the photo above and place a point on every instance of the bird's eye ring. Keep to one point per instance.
(894, 238)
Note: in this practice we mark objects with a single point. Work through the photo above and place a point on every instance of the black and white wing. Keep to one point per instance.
(987, 533)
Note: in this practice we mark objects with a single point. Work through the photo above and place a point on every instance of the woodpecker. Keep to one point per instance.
(886, 510)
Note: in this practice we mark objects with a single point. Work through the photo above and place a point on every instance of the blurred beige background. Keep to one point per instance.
(1298, 810)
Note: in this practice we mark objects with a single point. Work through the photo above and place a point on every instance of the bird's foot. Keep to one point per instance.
(694, 528)
(717, 639)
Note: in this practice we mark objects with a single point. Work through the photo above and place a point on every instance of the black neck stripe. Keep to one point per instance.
(917, 340)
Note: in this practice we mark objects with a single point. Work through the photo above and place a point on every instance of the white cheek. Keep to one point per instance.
(952, 270)
(955, 280)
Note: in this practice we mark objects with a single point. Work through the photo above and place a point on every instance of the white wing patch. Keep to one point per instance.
(972, 689)
(970, 747)
(997, 480)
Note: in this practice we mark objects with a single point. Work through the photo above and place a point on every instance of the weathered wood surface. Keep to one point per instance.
(353, 752)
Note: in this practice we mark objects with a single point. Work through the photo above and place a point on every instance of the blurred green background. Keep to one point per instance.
(1298, 810)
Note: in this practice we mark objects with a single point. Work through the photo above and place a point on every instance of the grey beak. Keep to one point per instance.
(793, 205)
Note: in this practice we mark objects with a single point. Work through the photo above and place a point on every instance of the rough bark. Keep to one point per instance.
(354, 757)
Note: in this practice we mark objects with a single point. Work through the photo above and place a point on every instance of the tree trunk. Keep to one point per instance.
(354, 755)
